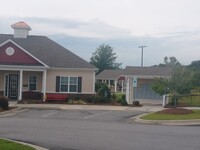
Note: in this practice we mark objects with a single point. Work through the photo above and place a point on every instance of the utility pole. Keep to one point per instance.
(142, 54)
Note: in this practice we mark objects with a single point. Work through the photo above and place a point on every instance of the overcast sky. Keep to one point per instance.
(166, 27)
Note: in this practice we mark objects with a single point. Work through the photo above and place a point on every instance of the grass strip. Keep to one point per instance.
(9, 145)
(157, 116)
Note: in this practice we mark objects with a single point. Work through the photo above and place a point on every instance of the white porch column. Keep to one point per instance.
(122, 90)
(131, 90)
(109, 83)
(115, 85)
(20, 84)
(127, 90)
(44, 84)
(94, 81)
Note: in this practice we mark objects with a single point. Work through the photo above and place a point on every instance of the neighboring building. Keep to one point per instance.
(138, 80)
(113, 78)
(37, 67)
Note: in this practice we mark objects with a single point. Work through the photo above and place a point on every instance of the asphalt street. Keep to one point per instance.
(95, 130)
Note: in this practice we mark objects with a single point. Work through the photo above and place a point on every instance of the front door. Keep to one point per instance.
(11, 86)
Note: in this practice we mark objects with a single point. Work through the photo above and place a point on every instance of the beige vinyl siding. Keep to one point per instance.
(87, 79)
(26, 75)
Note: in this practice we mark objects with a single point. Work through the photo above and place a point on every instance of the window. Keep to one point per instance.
(68, 84)
(73, 84)
(64, 84)
(32, 83)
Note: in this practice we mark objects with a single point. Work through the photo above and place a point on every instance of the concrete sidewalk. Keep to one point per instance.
(146, 108)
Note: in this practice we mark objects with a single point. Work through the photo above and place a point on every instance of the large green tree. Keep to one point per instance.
(104, 58)
(195, 67)
(170, 62)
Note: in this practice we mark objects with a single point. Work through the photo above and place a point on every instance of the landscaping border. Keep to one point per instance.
(167, 122)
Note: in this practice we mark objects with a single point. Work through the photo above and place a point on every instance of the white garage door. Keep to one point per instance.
(144, 91)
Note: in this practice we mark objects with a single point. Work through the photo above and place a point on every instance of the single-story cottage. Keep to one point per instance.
(37, 67)
(135, 82)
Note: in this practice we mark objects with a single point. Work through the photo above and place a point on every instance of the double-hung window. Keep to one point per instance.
(64, 83)
(32, 83)
(73, 84)
(68, 84)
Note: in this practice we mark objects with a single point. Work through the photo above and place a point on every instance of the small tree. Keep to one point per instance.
(103, 92)
(179, 84)
(104, 58)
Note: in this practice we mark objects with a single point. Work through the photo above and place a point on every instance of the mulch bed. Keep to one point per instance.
(176, 111)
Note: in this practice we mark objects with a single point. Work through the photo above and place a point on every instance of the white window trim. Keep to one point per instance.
(69, 84)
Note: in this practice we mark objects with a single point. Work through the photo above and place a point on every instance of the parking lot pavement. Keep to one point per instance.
(94, 129)
(89, 115)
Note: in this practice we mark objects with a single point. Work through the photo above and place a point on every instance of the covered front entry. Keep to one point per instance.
(18, 84)
(11, 86)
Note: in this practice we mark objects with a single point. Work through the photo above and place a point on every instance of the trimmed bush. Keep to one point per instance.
(124, 102)
(119, 100)
(4, 103)
(136, 103)
(123, 96)
(114, 97)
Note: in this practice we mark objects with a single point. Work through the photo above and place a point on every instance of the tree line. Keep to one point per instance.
(183, 78)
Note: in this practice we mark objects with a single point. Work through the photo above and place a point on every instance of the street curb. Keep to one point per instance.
(28, 144)
(191, 122)
(9, 111)
(40, 107)
(71, 107)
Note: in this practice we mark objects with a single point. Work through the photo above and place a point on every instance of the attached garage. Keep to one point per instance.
(145, 78)
(144, 90)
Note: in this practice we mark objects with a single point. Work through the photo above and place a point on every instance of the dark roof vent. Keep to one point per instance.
(21, 29)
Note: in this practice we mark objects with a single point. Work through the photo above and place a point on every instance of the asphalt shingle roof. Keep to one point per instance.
(48, 51)
(147, 71)
(135, 71)
(110, 74)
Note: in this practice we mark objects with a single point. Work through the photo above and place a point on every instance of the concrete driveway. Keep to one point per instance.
(95, 129)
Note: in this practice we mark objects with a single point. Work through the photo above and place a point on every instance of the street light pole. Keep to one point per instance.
(142, 55)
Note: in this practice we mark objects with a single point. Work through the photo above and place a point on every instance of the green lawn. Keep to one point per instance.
(156, 116)
(193, 100)
(119, 95)
(8, 145)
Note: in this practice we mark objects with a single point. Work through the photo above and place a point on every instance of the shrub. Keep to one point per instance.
(119, 100)
(137, 103)
(94, 99)
(102, 90)
(4, 103)
(114, 96)
(105, 100)
(123, 96)
(80, 101)
(124, 102)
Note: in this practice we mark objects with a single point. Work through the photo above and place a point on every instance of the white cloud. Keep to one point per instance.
(167, 28)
